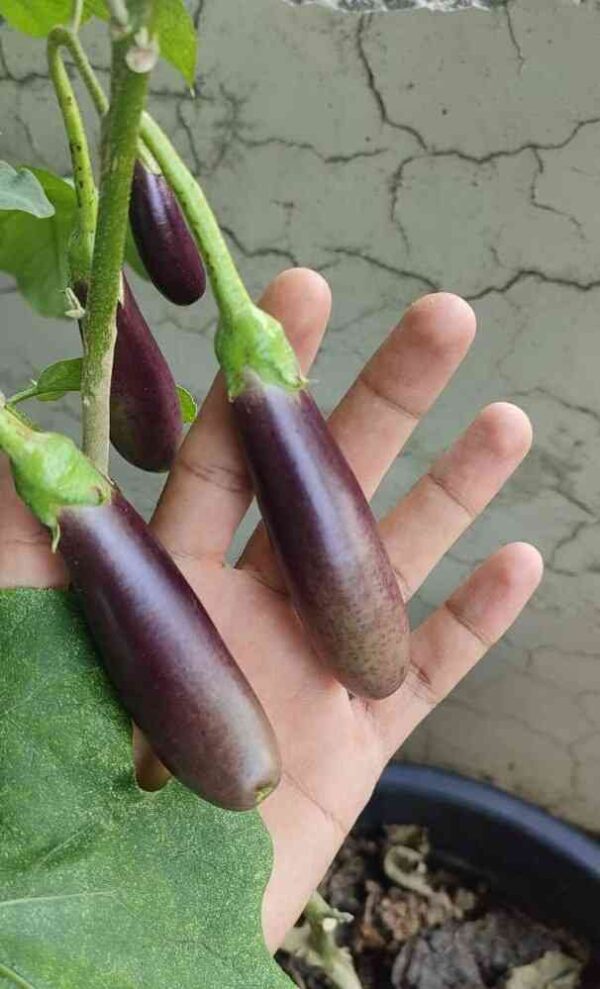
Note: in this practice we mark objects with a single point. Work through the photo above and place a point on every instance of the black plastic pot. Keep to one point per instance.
(538, 861)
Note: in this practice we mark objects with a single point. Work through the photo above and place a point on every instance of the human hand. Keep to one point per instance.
(333, 747)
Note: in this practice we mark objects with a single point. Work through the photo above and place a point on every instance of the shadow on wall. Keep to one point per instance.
(388, 5)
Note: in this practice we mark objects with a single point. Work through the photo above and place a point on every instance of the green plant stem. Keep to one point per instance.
(118, 152)
(66, 36)
(69, 40)
(76, 15)
(118, 11)
(22, 396)
(249, 343)
(82, 244)
(315, 942)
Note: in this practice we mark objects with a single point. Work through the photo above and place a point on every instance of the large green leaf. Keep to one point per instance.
(178, 42)
(20, 190)
(176, 31)
(104, 886)
(34, 250)
(36, 17)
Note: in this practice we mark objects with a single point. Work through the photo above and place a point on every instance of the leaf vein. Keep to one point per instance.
(18, 980)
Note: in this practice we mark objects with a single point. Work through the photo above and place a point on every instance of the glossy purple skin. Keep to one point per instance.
(326, 540)
(165, 245)
(169, 665)
(145, 413)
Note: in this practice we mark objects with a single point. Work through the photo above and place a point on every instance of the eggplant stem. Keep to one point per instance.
(76, 15)
(118, 153)
(81, 246)
(22, 396)
(315, 942)
(67, 38)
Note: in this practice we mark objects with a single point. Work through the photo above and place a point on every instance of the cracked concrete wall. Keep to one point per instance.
(384, 6)
(401, 154)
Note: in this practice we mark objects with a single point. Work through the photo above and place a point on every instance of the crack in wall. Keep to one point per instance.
(565, 403)
(547, 207)
(388, 6)
(512, 34)
(525, 273)
(359, 255)
(259, 252)
(197, 15)
(361, 32)
(490, 157)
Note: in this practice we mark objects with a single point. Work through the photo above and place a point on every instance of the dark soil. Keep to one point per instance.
(418, 924)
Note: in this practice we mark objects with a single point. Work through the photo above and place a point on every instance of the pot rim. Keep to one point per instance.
(525, 851)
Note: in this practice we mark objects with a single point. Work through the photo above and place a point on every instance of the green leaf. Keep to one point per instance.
(65, 376)
(54, 382)
(178, 41)
(58, 379)
(104, 886)
(34, 251)
(36, 17)
(176, 32)
(175, 26)
(189, 406)
(20, 190)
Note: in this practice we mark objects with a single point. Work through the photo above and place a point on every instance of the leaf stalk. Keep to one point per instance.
(118, 152)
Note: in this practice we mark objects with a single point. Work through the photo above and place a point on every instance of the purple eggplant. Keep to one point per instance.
(165, 245)
(145, 412)
(325, 538)
(171, 669)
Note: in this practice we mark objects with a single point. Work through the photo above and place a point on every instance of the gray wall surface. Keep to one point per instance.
(402, 153)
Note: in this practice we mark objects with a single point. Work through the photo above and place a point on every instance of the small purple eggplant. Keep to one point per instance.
(165, 245)
(145, 413)
(325, 538)
(171, 669)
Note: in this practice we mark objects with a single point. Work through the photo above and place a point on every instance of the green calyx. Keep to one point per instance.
(50, 472)
(256, 342)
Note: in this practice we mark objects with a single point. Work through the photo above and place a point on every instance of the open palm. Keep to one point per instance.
(334, 748)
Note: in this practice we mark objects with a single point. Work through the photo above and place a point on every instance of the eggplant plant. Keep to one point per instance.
(170, 669)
